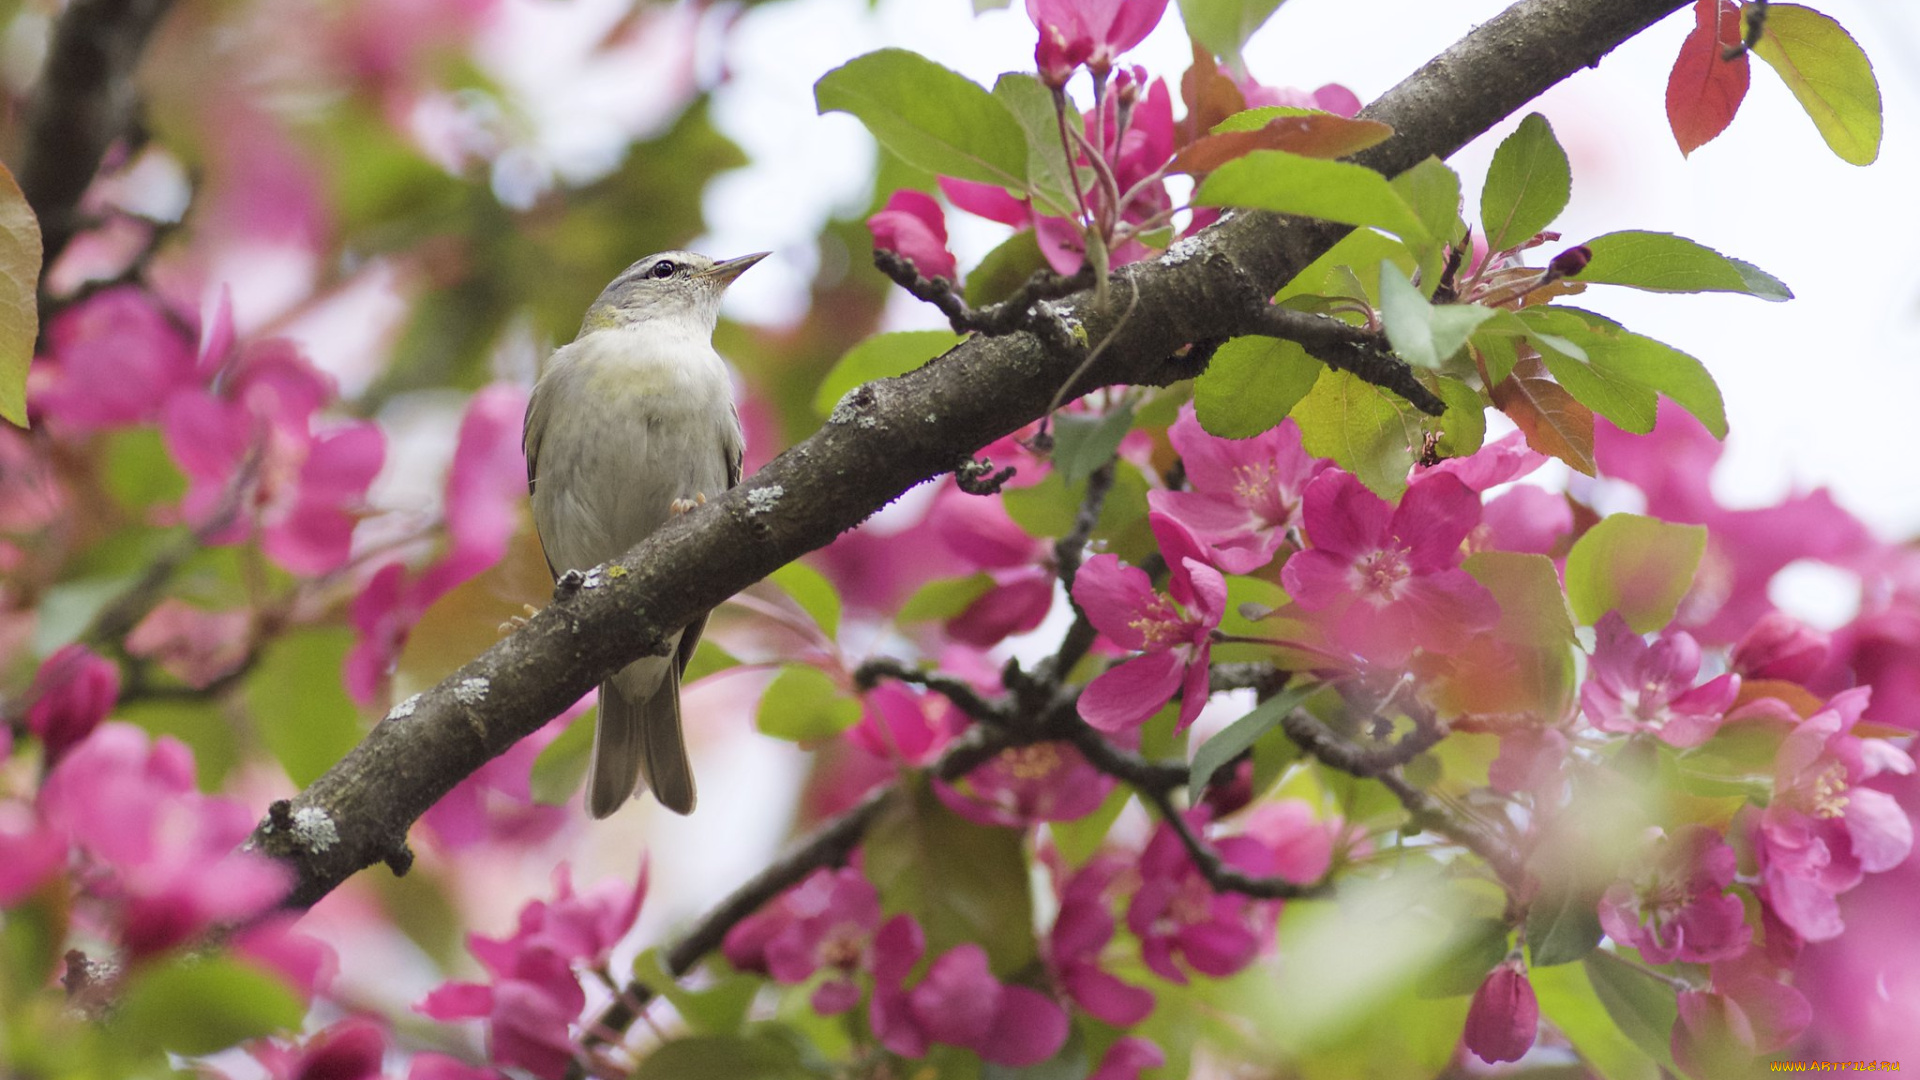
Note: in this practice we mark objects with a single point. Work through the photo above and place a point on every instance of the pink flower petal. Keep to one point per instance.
(1123, 697)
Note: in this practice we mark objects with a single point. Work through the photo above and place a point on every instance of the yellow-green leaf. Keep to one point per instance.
(19, 283)
(1635, 565)
(1830, 77)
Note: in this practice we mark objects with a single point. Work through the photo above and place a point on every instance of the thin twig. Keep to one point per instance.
(1344, 347)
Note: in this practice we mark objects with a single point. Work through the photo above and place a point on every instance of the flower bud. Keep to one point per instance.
(1571, 261)
(73, 691)
(1504, 1016)
(1781, 647)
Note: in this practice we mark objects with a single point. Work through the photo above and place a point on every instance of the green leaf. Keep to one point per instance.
(1244, 732)
(1635, 565)
(562, 765)
(944, 598)
(200, 1005)
(31, 938)
(1004, 269)
(718, 1008)
(1563, 922)
(1533, 610)
(1623, 371)
(1083, 443)
(1737, 760)
(1645, 1010)
(1830, 77)
(1433, 191)
(1366, 430)
(138, 470)
(1424, 335)
(1078, 840)
(724, 1057)
(1310, 187)
(803, 704)
(962, 881)
(19, 296)
(931, 116)
(1476, 946)
(1463, 427)
(1527, 185)
(1049, 175)
(1224, 26)
(1251, 384)
(300, 704)
(1567, 998)
(881, 356)
(1663, 262)
(812, 591)
(1258, 117)
(196, 721)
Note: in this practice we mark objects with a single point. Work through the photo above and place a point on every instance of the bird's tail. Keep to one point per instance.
(638, 743)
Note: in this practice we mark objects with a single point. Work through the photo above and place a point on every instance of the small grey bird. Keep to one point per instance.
(631, 422)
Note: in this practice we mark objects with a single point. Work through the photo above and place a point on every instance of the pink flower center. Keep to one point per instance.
(1159, 625)
(1827, 797)
(1253, 484)
(1035, 762)
(842, 946)
(1381, 574)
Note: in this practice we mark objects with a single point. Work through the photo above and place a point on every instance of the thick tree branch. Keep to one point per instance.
(886, 437)
(85, 100)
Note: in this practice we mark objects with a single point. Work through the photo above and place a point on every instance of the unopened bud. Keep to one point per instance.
(1781, 647)
(1571, 261)
(1504, 1016)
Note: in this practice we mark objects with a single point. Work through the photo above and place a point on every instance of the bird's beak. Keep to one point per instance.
(723, 273)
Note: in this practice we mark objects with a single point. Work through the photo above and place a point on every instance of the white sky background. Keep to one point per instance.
(1820, 391)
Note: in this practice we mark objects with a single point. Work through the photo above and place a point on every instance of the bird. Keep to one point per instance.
(631, 422)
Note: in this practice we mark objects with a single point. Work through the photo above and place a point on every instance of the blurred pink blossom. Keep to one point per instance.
(1780, 646)
(1127, 1058)
(1635, 688)
(169, 868)
(350, 1049)
(112, 360)
(1080, 934)
(195, 646)
(979, 531)
(958, 1002)
(1090, 32)
(1744, 1014)
(1047, 781)
(826, 923)
(72, 692)
(1182, 924)
(1674, 904)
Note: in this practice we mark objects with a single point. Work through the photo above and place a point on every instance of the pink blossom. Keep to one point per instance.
(1080, 934)
(494, 804)
(1526, 519)
(1780, 646)
(442, 1067)
(31, 496)
(979, 531)
(351, 1049)
(72, 692)
(1532, 757)
(485, 490)
(1173, 633)
(990, 201)
(913, 226)
(1675, 904)
(302, 481)
(1823, 831)
(195, 646)
(1635, 688)
(1090, 32)
(111, 361)
(30, 853)
(902, 726)
(307, 963)
(826, 923)
(1127, 1058)
(1332, 97)
(959, 1002)
(1745, 548)
(166, 852)
(1182, 924)
(1504, 1016)
(1499, 462)
(1047, 781)
(1388, 578)
(1245, 493)
(1135, 155)
(1746, 1013)
(534, 994)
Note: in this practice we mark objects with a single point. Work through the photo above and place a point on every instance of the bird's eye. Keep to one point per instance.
(663, 269)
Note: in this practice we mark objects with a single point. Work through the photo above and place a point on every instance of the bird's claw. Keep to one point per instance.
(515, 622)
(681, 506)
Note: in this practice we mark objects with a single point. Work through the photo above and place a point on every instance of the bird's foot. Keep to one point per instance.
(681, 506)
(515, 622)
(568, 583)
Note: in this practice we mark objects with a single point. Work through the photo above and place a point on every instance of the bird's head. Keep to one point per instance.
(669, 285)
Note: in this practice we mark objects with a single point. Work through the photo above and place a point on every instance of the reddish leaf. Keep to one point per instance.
(1209, 95)
(1554, 423)
(1321, 135)
(1704, 91)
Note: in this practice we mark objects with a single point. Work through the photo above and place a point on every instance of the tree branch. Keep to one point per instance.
(886, 437)
(85, 100)
(1344, 347)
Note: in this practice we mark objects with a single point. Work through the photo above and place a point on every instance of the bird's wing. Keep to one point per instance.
(539, 404)
(734, 447)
